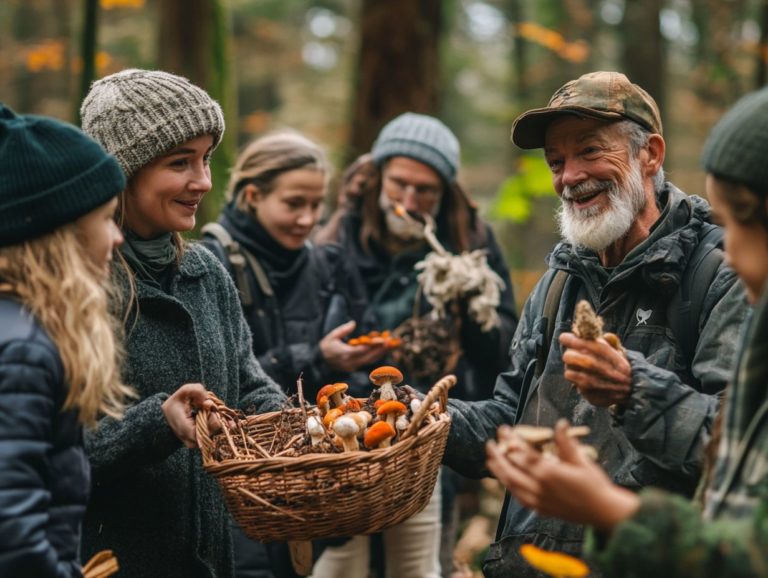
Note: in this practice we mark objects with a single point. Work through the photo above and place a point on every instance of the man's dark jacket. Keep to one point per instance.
(658, 439)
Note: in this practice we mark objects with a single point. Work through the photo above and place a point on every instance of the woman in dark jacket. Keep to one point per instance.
(185, 335)
(297, 298)
(58, 354)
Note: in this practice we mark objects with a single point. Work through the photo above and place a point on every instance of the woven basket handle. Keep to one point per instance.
(439, 393)
(201, 422)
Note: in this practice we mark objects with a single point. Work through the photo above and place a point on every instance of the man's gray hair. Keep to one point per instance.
(638, 136)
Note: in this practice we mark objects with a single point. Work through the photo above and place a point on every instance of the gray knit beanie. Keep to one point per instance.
(137, 115)
(737, 146)
(422, 138)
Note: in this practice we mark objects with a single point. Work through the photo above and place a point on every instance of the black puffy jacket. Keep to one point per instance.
(44, 474)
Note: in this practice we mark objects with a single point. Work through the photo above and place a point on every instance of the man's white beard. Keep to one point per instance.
(403, 229)
(594, 227)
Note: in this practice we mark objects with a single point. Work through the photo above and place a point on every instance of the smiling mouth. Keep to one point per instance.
(190, 204)
(586, 198)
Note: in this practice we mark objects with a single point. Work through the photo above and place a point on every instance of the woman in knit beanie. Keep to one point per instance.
(725, 533)
(185, 335)
(58, 355)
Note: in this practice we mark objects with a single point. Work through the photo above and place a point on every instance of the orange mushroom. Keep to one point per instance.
(386, 377)
(334, 392)
(390, 410)
(378, 435)
(332, 416)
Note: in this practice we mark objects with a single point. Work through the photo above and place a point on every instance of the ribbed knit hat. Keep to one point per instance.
(422, 138)
(737, 146)
(137, 115)
(51, 174)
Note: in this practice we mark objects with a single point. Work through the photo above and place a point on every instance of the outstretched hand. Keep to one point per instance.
(341, 356)
(602, 374)
(180, 408)
(571, 486)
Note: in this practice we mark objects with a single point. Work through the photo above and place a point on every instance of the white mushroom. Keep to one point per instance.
(315, 429)
(346, 428)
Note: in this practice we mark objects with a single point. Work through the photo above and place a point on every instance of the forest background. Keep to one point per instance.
(339, 69)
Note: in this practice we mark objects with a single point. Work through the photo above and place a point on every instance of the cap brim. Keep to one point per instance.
(530, 128)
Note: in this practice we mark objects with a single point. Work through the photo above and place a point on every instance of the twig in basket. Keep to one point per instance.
(300, 390)
(245, 438)
(232, 446)
(259, 447)
(262, 501)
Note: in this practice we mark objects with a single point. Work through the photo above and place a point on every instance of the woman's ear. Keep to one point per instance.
(252, 195)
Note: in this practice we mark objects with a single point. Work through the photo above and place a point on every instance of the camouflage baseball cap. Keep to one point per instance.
(601, 95)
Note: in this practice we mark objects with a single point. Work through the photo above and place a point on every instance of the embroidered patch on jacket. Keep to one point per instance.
(643, 316)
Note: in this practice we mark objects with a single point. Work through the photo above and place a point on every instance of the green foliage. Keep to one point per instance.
(513, 198)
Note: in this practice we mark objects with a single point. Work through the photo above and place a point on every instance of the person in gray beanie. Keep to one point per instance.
(58, 355)
(185, 335)
(411, 179)
(653, 533)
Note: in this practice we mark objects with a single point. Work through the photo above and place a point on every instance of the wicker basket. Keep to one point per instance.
(328, 495)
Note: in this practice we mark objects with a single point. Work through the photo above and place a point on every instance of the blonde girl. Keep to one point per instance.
(58, 353)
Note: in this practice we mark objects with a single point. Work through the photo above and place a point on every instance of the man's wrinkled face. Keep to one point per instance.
(599, 182)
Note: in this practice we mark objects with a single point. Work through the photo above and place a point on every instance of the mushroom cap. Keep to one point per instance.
(346, 426)
(332, 416)
(386, 373)
(330, 389)
(391, 407)
(377, 433)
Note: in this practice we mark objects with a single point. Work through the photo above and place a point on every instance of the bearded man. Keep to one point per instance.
(640, 251)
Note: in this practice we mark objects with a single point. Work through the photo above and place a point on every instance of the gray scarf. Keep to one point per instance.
(150, 258)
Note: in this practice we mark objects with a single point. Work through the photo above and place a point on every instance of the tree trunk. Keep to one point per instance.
(88, 42)
(761, 76)
(398, 65)
(644, 51)
(193, 42)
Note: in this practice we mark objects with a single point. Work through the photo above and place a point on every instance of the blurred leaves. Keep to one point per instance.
(110, 4)
(513, 199)
(577, 51)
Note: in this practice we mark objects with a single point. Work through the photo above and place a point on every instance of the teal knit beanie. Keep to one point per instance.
(737, 147)
(51, 174)
(422, 138)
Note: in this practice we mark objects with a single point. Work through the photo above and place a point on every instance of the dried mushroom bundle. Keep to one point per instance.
(589, 325)
(540, 438)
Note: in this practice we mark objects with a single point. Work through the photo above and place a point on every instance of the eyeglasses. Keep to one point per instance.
(419, 190)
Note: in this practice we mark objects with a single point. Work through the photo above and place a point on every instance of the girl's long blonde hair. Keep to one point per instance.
(62, 288)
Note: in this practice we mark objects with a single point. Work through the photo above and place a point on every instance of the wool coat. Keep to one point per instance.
(152, 502)
(44, 475)
(667, 536)
(659, 438)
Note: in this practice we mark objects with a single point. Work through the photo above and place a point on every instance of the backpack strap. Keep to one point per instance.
(685, 307)
(551, 306)
(235, 257)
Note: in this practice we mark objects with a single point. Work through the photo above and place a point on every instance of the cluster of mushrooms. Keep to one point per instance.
(352, 424)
